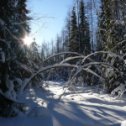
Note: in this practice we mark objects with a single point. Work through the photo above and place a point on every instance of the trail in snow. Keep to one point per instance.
(85, 108)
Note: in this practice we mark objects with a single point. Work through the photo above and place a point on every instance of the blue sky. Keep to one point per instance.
(48, 18)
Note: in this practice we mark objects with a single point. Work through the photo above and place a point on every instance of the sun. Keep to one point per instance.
(27, 40)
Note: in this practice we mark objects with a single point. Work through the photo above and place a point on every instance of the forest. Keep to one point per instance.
(77, 79)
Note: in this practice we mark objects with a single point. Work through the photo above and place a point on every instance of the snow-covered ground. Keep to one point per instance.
(81, 107)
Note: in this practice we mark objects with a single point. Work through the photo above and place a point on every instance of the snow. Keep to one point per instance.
(125, 61)
(2, 23)
(123, 123)
(10, 93)
(121, 89)
(84, 106)
(2, 56)
(119, 22)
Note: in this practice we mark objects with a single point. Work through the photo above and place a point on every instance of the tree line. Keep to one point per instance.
(110, 34)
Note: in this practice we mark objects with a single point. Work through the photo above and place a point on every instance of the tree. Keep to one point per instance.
(84, 34)
(34, 52)
(10, 44)
(67, 32)
(111, 24)
(21, 18)
(112, 38)
(73, 44)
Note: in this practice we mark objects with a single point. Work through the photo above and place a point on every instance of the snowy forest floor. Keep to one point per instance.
(85, 107)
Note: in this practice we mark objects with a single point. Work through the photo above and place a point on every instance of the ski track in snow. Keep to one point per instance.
(85, 108)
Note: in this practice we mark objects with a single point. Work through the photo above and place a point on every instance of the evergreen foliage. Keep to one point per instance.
(13, 17)
(85, 47)
(112, 38)
(73, 44)
(79, 30)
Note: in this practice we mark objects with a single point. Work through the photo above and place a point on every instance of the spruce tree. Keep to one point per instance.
(10, 44)
(67, 33)
(73, 43)
(111, 24)
(6, 14)
(85, 46)
(22, 18)
(111, 34)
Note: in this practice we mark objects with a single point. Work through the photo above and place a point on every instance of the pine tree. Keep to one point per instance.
(10, 44)
(67, 33)
(35, 57)
(22, 18)
(101, 27)
(85, 46)
(73, 43)
(6, 14)
(111, 24)
(111, 34)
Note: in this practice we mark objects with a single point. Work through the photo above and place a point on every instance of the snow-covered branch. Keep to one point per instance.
(62, 53)
(101, 52)
(71, 58)
(47, 68)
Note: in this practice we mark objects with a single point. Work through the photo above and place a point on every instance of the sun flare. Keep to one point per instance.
(27, 40)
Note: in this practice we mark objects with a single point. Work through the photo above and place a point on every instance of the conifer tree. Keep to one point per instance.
(85, 46)
(10, 44)
(22, 17)
(111, 24)
(111, 35)
(67, 33)
(73, 44)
